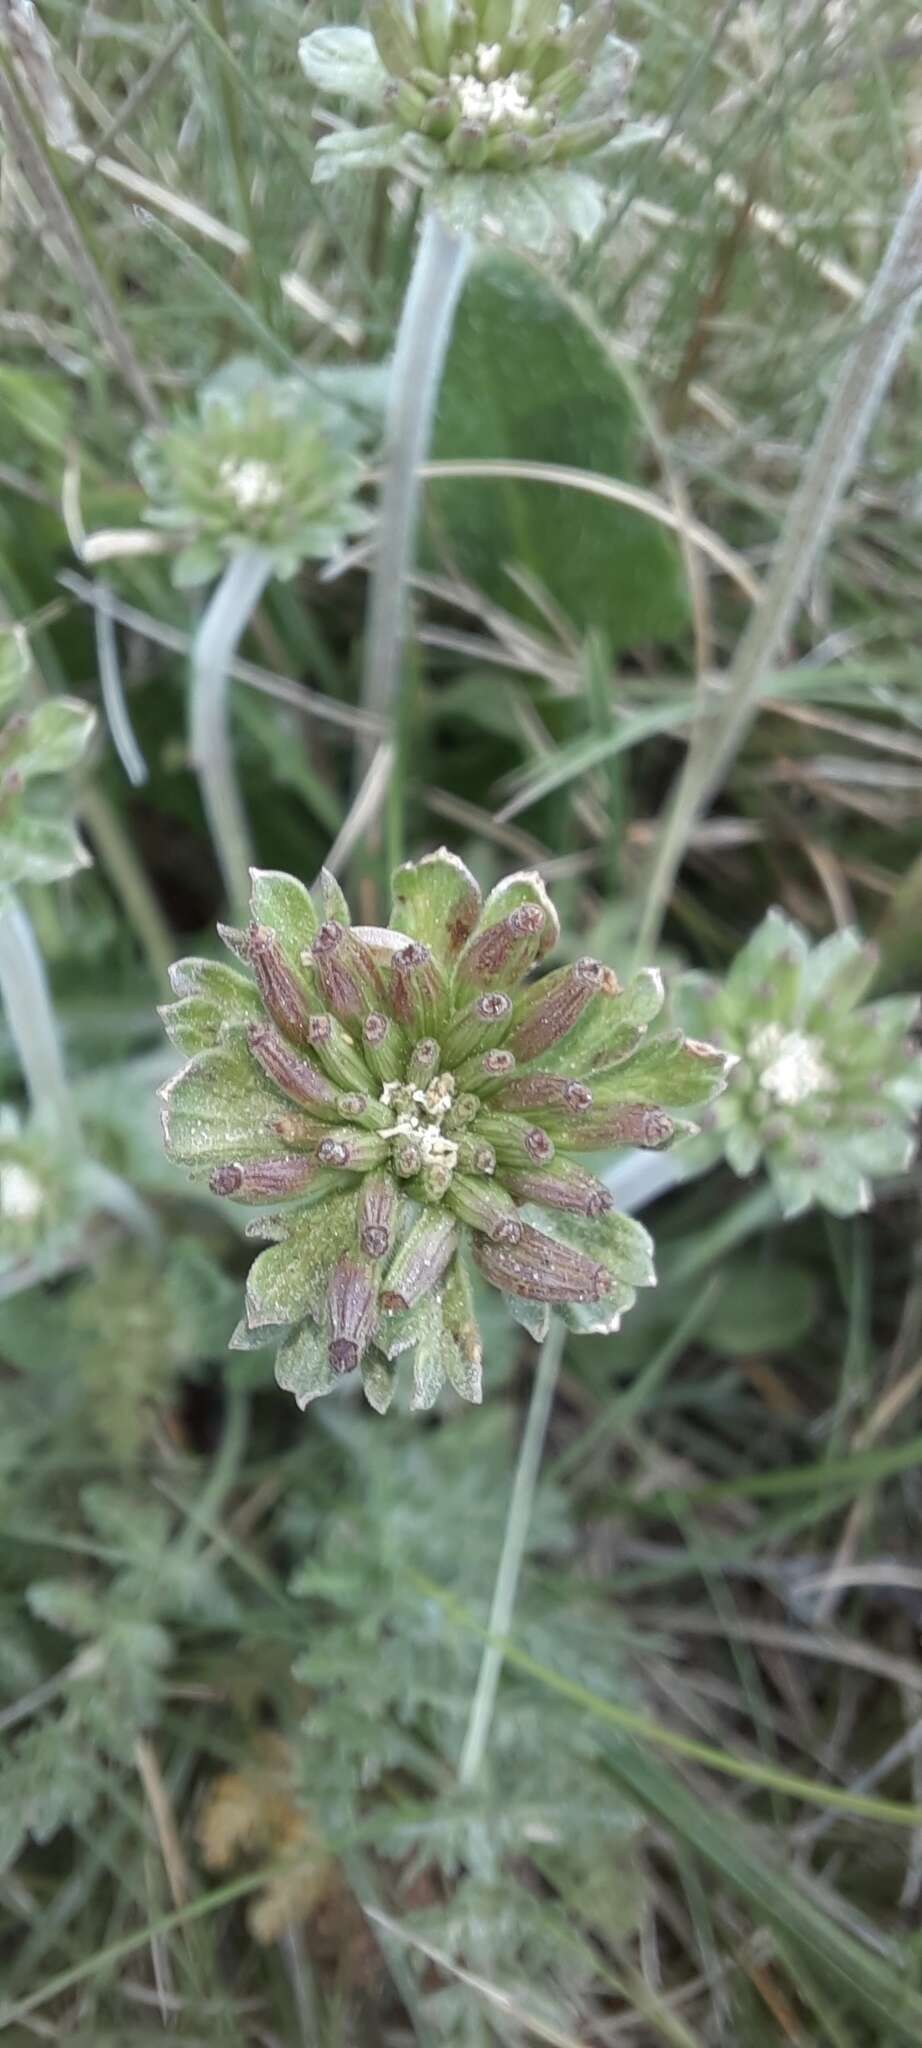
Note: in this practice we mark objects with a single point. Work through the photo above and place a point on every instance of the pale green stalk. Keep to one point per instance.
(115, 852)
(439, 270)
(31, 1019)
(856, 397)
(513, 1551)
(216, 643)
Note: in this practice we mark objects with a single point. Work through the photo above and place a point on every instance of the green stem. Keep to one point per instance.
(863, 379)
(510, 1563)
(438, 273)
(216, 643)
(31, 1019)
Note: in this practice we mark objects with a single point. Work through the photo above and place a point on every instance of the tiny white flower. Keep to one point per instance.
(493, 102)
(791, 1066)
(21, 1193)
(253, 485)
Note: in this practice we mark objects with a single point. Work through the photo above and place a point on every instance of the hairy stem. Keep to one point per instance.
(439, 269)
(216, 643)
(513, 1550)
(31, 1019)
(863, 379)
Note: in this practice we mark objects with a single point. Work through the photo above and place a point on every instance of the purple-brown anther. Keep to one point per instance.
(298, 1078)
(352, 1307)
(543, 1091)
(547, 1011)
(539, 1268)
(379, 1204)
(264, 1180)
(285, 1000)
(505, 951)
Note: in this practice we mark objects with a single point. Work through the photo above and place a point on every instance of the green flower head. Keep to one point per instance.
(38, 747)
(491, 101)
(825, 1088)
(421, 1098)
(264, 463)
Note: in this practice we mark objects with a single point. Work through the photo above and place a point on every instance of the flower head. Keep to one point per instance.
(471, 91)
(264, 463)
(38, 747)
(421, 1098)
(825, 1087)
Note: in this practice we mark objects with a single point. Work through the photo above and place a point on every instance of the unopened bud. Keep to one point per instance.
(284, 998)
(485, 1071)
(384, 1049)
(407, 1158)
(337, 1053)
(544, 1091)
(562, 1185)
(423, 1063)
(505, 951)
(352, 1306)
(264, 1180)
(624, 1124)
(298, 1078)
(417, 991)
(481, 1026)
(538, 1268)
(475, 1156)
(352, 1151)
(485, 1206)
(379, 1203)
(547, 1011)
(515, 1142)
(420, 1260)
(345, 972)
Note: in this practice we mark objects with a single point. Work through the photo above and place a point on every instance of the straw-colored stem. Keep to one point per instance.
(863, 379)
(216, 643)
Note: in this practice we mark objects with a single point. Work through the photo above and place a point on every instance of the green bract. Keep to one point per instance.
(825, 1088)
(420, 1100)
(490, 102)
(264, 463)
(38, 839)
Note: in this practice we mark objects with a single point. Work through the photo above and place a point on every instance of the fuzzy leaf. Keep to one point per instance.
(437, 902)
(216, 1110)
(286, 906)
(290, 1279)
(668, 1073)
(302, 1367)
(345, 63)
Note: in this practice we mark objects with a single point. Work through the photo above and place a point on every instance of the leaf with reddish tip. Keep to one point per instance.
(666, 1073)
(286, 906)
(436, 901)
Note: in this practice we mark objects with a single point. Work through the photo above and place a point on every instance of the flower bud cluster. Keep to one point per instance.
(419, 1098)
(265, 462)
(826, 1088)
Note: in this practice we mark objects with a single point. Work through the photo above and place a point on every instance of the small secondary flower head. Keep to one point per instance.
(826, 1087)
(471, 91)
(420, 1094)
(265, 462)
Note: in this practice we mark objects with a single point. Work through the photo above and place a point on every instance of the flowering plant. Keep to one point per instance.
(825, 1087)
(489, 103)
(266, 462)
(38, 839)
(419, 1101)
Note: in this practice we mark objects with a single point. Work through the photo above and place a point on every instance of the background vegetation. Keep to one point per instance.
(239, 1645)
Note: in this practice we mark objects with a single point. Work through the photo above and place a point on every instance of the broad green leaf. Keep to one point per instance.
(527, 380)
(665, 1073)
(285, 905)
